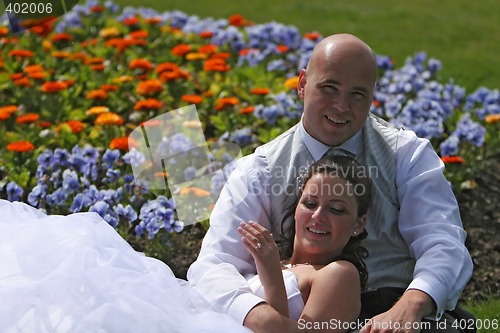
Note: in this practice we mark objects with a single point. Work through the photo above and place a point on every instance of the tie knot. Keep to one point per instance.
(337, 151)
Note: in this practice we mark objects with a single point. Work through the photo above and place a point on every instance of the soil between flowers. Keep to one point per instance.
(480, 211)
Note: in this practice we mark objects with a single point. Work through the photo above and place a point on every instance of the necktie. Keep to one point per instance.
(337, 151)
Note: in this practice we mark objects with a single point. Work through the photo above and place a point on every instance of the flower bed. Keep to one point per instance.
(73, 90)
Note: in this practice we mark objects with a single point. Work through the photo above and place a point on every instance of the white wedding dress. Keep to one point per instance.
(76, 274)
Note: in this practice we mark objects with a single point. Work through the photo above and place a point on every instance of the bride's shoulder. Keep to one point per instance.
(342, 268)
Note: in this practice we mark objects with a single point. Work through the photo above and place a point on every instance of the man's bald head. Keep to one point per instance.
(334, 48)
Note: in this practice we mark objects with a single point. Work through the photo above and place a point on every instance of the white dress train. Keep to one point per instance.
(76, 274)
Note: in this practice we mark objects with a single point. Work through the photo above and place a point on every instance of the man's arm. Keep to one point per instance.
(430, 223)
(220, 272)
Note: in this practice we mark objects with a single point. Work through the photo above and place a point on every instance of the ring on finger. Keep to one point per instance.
(258, 246)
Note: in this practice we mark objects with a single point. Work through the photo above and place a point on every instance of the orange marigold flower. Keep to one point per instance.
(248, 109)
(166, 66)
(109, 32)
(46, 45)
(191, 56)
(138, 34)
(142, 64)
(37, 75)
(97, 94)
(96, 9)
(221, 55)
(196, 191)
(154, 20)
(206, 34)
(21, 53)
(79, 56)
(237, 20)
(20, 146)
(148, 104)
(131, 20)
(109, 118)
(8, 108)
(149, 87)
(89, 42)
(61, 54)
(7, 111)
(292, 83)
(169, 76)
(216, 65)
(282, 48)
(452, 159)
(32, 68)
(123, 143)
(44, 124)
(210, 48)
(492, 118)
(260, 91)
(54, 86)
(98, 68)
(62, 37)
(226, 101)
(312, 35)
(69, 82)
(244, 52)
(181, 49)
(22, 82)
(151, 123)
(109, 87)
(4, 31)
(27, 118)
(97, 110)
(193, 99)
(123, 79)
(94, 61)
(76, 126)
(16, 76)
(208, 94)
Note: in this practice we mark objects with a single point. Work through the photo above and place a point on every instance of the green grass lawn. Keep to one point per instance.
(463, 34)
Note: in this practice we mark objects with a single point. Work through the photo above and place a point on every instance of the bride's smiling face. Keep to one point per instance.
(325, 218)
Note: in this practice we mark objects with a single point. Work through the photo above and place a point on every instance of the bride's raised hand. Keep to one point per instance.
(261, 245)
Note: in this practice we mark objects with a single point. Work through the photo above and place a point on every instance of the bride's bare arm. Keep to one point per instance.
(334, 297)
(261, 245)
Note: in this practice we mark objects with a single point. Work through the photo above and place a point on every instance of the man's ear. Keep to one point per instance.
(302, 84)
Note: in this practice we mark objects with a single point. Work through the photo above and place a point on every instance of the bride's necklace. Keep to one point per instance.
(286, 264)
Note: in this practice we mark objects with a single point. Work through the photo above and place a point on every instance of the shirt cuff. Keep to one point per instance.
(435, 291)
(242, 305)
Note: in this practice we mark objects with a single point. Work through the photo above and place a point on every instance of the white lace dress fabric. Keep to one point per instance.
(76, 274)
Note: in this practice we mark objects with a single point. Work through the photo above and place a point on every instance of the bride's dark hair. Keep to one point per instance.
(353, 172)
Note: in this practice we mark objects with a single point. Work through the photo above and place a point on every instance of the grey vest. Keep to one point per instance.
(389, 263)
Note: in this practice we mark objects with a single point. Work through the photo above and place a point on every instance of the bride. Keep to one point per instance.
(76, 274)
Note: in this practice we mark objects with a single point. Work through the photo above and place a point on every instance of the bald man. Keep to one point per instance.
(417, 264)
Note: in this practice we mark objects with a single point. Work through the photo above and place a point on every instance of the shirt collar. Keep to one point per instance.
(318, 149)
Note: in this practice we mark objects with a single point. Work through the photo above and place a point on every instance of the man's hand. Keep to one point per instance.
(404, 317)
